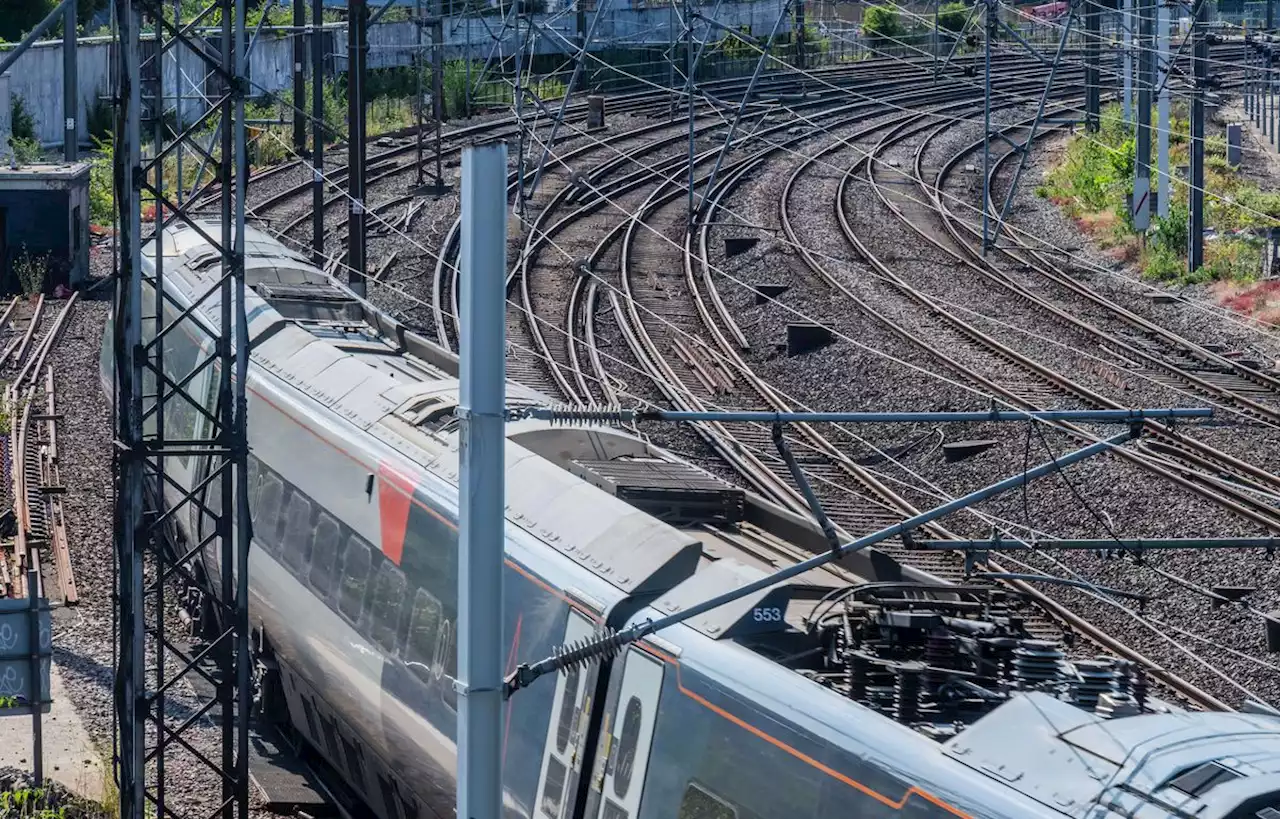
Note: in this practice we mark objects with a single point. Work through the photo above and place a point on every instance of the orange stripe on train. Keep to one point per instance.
(395, 494)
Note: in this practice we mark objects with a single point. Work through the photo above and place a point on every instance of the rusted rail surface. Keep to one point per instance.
(36, 483)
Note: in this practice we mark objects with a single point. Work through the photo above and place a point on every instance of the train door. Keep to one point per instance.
(630, 736)
(562, 757)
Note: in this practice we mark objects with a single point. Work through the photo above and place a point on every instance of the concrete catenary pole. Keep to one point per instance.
(481, 520)
(1141, 211)
(299, 114)
(357, 50)
(71, 87)
(1162, 136)
(318, 135)
(1092, 52)
(1200, 71)
(1126, 19)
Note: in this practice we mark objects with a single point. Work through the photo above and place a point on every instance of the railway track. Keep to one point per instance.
(38, 522)
(608, 254)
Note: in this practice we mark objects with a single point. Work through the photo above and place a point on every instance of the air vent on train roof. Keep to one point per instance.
(310, 300)
(674, 492)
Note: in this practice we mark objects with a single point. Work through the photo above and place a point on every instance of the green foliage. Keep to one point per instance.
(732, 47)
(26, 151)
(102, 199)
(1235, 259)
(19, 800)
(32, 270)
(952, 16)
(7, 701)
(20, 16)
(882, 23)
(22, 125)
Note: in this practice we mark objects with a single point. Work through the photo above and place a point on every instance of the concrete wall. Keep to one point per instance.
(4, 118)
(37, 75)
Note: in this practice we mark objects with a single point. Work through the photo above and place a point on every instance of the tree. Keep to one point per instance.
(881, 23)
(20, 16)
(953, 16)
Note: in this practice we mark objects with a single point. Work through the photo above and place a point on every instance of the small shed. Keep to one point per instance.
(44, 209)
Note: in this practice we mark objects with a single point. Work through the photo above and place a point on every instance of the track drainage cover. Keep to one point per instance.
(959, 450)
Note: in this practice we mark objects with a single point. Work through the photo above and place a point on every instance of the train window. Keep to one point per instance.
(388, 593)
(699, 803)
(431, 555)
(612, 810)
(424, 629)
(297, 531)
(355, 578)
(553, 792)
(181, 355)
(627, 747)
(355, 762)
(272, 499)
(253, 479)
(565, 726)
(324, 553)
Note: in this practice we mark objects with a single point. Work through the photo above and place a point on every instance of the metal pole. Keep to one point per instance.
(990, 21)
(468, 95)
(1200, 70)
(1141, 206)
(481, 519)
(1092, 54)
(1089, 544)
(519, 103)
(36, 33)
(800, 37)
(937, 5)
(70, 87)
(688, 92)
(131, 455)
(299, 78)
(437, 82)
(419, 22)
(357, 44)
(1114, 416)
(34, 600)
(317, 131)
(236, 484)
(178, 99)
(558, 120)
(1127, 18)
(1166, 124)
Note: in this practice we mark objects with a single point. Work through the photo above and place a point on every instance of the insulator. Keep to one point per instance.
(939, 653)
(906, 693)
(1096, 677)
(993, 659)
(579, 653)
(589, 414)
(858, 667)
(1140, 687)
(1036, 663)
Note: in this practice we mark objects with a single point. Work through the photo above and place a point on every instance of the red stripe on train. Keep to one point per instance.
(395, 494)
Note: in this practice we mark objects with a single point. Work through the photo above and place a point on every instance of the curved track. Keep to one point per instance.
(616, 297)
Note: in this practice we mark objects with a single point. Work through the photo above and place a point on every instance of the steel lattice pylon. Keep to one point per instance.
(159, 418)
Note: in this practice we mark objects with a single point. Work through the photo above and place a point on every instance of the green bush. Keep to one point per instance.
(953, 16)
(22, 125)
(881, 23)
(102, 199)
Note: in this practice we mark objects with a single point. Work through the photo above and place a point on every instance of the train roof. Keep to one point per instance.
(657, 527)
(638, 517)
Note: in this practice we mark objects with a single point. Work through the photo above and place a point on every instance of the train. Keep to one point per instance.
(866, 688)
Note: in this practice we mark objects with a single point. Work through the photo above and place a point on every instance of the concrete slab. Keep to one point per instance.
(69, 756)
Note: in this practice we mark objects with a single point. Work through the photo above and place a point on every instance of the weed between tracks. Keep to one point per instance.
(1095, 175)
